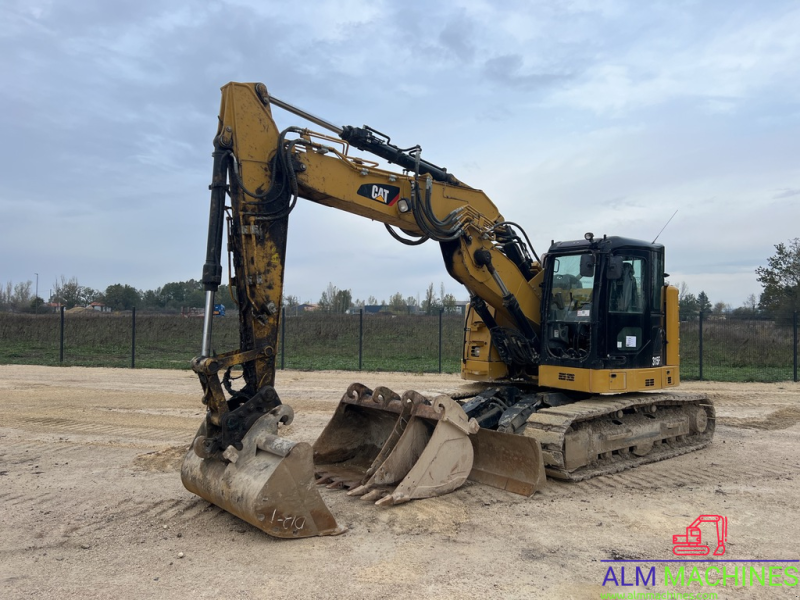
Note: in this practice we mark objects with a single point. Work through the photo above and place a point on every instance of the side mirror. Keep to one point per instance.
(587, 265)
(614, 270)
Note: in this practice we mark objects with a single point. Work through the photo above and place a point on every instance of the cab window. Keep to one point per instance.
(626, 291)
(571, 295)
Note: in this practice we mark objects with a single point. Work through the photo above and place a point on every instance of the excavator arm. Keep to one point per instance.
(265, 170)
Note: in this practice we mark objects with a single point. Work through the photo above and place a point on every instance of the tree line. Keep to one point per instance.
(174, 296)
(69, 293)
(335, 300)
(780, 296)
(780, 280)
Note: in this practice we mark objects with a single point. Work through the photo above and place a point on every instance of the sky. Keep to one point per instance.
(572, 115)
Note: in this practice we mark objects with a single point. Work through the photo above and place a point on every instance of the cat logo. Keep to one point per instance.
(385, 194)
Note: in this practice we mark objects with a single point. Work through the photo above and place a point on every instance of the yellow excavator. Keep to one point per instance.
(577, 349)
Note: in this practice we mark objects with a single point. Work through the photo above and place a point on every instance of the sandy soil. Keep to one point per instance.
(93, 507)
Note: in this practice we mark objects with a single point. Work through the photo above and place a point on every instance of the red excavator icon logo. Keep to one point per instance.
(691, 544)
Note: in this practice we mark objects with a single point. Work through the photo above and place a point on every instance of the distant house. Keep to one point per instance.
(462, 306)
(369, 309)
(307, 307)
(99, 307)
(385, 309)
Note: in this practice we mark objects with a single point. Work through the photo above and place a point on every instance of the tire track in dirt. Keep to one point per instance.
(777, 420)
(656, 477)
(733, 403)
(107, 432)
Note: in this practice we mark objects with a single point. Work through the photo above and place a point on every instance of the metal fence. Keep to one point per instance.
(730, 347)
(713, 347)
(310, 341)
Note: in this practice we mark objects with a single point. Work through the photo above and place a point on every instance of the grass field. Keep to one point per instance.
(313, 342)
(737, 350)
(733, 350)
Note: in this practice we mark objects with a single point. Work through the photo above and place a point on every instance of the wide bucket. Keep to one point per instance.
(269, 483)
(391, 449)
(359, 436)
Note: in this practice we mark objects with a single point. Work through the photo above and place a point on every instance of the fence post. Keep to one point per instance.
(700, 357)
(794, 319)
(133, 338)
(61, 338)
(360, 337)
(441, 312)
(283, 336)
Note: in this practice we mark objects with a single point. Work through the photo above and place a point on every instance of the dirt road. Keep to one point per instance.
(92, 505)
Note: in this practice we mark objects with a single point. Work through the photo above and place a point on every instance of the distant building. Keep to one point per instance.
(99, 307)
(462, 306)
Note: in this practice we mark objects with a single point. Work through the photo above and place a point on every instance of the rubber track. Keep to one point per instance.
(550, 426)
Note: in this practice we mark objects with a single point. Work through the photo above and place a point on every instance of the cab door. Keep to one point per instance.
(629, 332)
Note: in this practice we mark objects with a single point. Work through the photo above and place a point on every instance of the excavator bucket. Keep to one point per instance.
(391, 449)
(352, 441)
(269, 482)
(508, 461)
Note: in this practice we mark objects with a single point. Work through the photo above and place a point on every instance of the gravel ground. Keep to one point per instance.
(93, 506)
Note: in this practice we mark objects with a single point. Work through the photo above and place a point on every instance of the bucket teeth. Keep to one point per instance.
(388, 500)
(358, 490)
(374, 495)
(396, 448)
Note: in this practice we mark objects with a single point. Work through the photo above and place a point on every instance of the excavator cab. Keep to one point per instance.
(603, 309)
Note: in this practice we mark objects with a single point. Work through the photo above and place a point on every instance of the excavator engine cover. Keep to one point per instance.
(269, 482)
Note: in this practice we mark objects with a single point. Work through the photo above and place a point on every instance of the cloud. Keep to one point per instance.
(510, 70)
(786, 193)
(743, 54)
(573, 116)
(457, 35)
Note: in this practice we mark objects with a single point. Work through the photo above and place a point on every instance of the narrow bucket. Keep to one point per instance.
(438, 452)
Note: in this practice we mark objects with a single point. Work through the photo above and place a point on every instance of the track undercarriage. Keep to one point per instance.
(599, 435)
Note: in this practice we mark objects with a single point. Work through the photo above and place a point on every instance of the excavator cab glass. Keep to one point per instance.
(570, 306)
(602, 307)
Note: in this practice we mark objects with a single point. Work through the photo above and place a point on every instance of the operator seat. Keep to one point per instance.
(625, 294)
